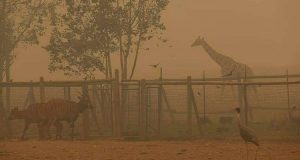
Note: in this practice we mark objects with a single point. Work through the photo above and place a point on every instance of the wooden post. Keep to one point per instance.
(7, 76)
(196, 110)
(189, 106)
(104, 104)
(67, 93)
(116, 108)
(42, 90)
(168, 104)
(142, 108)
(7, 93)
(246, 104)
(93, 110)
(245, 97)
(160, 104)
(204, 98)
(241, 98)
(85, 119)
(30, 98)
(288, 91)
(97, 98)
(10, 130)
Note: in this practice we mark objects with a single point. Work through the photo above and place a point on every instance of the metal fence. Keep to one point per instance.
(163, 107)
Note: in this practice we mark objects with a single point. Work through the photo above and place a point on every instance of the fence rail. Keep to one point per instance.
(147, 105)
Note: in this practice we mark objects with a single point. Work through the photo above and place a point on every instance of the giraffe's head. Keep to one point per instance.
(198, 41)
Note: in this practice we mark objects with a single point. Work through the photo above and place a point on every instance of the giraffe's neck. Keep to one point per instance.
(220, 59)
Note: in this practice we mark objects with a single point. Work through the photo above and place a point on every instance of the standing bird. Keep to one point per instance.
(246, 133)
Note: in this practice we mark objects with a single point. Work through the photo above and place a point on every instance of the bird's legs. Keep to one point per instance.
(256, 153)
(247, 149)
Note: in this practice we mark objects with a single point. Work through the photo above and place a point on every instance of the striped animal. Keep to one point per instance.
(34, 113)
(65, 110)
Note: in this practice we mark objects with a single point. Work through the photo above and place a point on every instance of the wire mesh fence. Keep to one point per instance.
(166, 108)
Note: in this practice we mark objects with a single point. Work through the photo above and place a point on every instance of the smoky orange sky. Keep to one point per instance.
(263, 34)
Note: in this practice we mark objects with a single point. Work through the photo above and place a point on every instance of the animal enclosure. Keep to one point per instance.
(165, 107)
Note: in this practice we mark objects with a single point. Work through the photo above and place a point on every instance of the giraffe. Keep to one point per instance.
(229, 67)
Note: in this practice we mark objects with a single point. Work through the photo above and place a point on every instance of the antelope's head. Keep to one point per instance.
(85, 102)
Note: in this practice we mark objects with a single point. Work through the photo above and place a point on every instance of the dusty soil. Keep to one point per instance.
(112, 149)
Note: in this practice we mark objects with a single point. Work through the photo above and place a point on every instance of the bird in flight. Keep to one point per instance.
(154, 65)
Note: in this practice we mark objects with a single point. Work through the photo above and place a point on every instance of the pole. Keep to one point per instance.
(160, 103)
(288, 90)
(204, 98)
(189, 106)
(245, 97)
(85, 119)
(42, 90)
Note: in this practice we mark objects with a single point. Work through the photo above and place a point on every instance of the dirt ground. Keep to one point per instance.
(116, 149)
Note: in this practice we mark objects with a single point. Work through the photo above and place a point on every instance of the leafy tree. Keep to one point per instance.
(89, 32)
(21, 23)
(140, 21)
(82, 39)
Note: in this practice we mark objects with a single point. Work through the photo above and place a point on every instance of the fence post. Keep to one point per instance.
(7, 97)
(164, 96)
(204, 98)
(245, 104)
(160, 103)
(42, 90)
(116, 107)
(97, 98)
(189, 106)
(288, 91)
(85, 118)
(67, 93)
(143, 108)
(195, 110)
(241, 98)
(245, 97)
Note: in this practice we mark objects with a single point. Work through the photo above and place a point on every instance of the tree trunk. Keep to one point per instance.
(121, 45)
(109, 66)
(136, 56)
